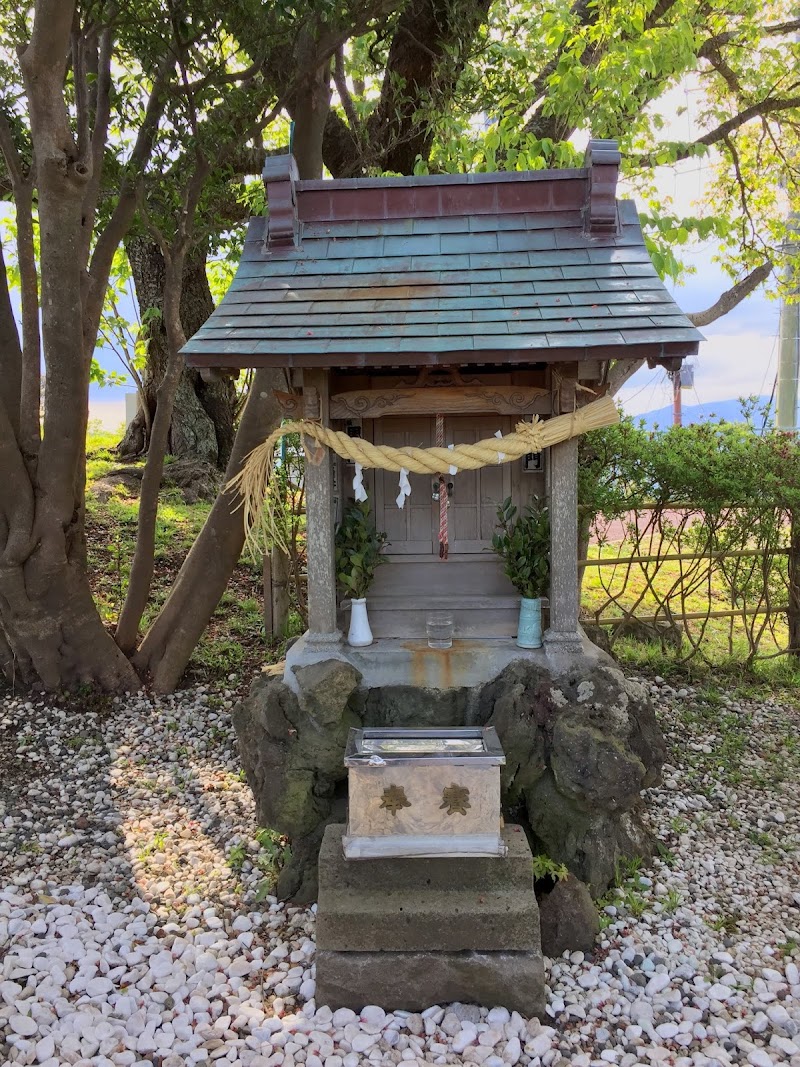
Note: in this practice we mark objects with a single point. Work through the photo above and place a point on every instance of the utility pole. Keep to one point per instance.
(677, 401)
(789, 356)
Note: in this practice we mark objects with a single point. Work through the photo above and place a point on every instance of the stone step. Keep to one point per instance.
(477, 874)
(473, 616)
(411, 920)
(412, 981)
(429, 576)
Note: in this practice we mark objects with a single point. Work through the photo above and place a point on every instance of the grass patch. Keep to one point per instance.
(725, 643)
(234, 640)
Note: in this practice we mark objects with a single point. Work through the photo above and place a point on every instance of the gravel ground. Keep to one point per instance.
(136, 925)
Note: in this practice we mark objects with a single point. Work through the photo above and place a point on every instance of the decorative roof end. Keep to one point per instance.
(600, 210)
(280, 174)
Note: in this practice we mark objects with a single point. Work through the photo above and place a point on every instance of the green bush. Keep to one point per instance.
(523, 544)
(358, 551)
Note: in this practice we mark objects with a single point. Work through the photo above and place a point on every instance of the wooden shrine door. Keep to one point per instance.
(414, 529)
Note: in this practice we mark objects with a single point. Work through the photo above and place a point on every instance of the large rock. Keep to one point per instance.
(590, 844)
(408, 705)
(568, 918)
(580, 747)
(291, 749)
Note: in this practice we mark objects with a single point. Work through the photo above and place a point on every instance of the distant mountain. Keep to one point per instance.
(729, 410)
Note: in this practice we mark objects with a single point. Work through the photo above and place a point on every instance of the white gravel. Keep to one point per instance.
(130, 932)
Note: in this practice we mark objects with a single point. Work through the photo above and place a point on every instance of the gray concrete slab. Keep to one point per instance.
(396, 662)
(413, 981)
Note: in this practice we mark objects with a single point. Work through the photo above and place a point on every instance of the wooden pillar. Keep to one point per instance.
(322, 629)
(280, 602)
(266, 576)
(563, 634)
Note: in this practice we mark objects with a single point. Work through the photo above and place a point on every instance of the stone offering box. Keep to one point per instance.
(427, 792)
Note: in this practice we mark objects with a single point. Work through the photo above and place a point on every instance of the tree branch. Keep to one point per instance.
(763, 107)
(29, 400)
(81, 90)
(101, 92)
(342, 88)
(10, 353)
(10, 153)
(44, 63)
(52, 23)
(621, 370)
(733, 296)
(17, 500)
(720, 39)
(117, 226)
(586, 12)
(725, 71)
(31, 385)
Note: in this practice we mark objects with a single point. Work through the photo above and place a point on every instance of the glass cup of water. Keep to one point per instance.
(439, 628)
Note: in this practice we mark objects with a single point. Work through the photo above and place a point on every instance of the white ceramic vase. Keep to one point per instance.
(359, 633)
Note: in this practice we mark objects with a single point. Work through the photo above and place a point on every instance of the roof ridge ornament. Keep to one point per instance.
(602, 161)
(280, 175)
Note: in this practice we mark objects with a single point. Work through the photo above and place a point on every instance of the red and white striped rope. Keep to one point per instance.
(443, 545)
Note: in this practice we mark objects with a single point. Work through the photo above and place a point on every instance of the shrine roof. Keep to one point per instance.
(477, 268)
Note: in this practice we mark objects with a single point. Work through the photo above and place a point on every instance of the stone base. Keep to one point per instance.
(409, 662)
(409, 933)
(563, 644)
(444, 905)
(413, 981)
(580, 743)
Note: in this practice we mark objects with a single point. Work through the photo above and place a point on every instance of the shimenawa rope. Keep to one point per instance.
(254, 479)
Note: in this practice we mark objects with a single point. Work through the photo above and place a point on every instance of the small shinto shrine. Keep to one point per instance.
(443, 311)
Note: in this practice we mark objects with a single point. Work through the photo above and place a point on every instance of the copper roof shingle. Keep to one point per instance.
(460, 268)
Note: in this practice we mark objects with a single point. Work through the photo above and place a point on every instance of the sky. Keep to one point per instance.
(739, 355)
(737, 359)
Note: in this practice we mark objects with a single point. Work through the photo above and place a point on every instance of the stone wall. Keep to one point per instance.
(580, 747)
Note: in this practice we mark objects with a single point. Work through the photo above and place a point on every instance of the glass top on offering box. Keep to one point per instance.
(421, 746)
(375, 746)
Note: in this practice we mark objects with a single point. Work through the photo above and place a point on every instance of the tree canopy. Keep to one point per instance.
(122, 123)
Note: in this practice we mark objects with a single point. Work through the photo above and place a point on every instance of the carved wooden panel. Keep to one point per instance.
(445, 400)
(291, 404)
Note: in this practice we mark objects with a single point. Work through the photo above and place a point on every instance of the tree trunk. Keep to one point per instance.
(50, 631)
(204, 576)
(585, 519)
(202, 425)
(793, 614)
(279, 592)
(142, 566)
(310, 111)
(170, 641)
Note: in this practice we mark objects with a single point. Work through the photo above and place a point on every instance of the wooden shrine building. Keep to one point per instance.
(484, 298)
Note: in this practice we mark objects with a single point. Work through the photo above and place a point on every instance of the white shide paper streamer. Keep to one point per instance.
(359, 491)
(405, 488)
